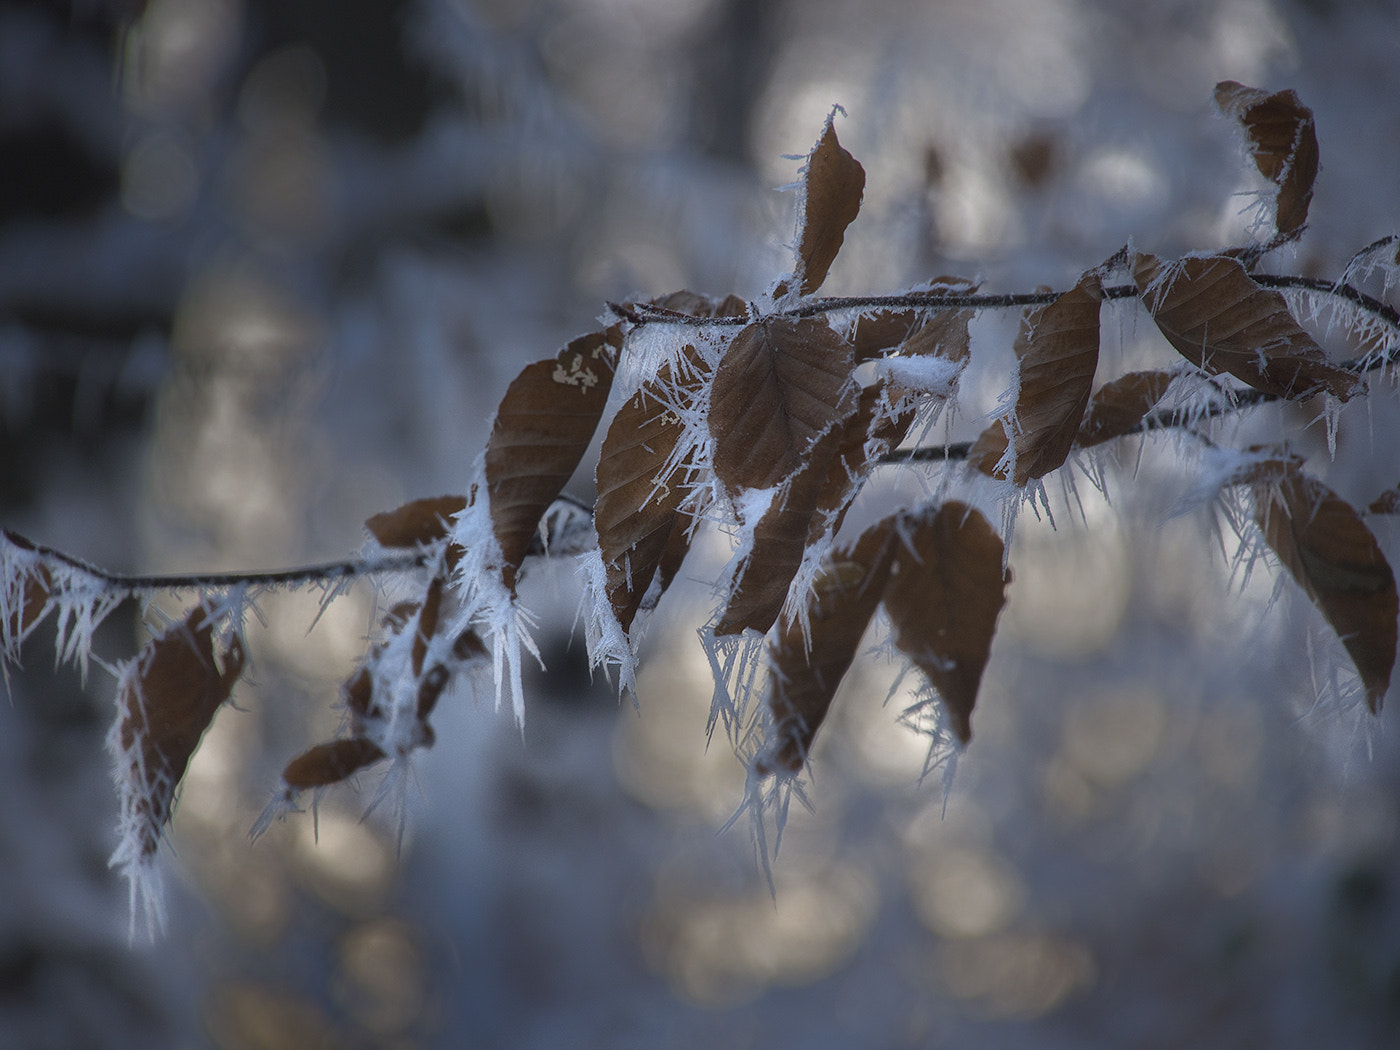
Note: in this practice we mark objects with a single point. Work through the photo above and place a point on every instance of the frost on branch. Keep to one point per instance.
(166, 698)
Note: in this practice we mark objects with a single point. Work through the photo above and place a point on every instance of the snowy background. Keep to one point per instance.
(266, 267)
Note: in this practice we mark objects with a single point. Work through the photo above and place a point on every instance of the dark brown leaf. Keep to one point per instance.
(1388, 502)
(1334, 557)
(1057, 373)
(638, 499)
(988, 448)
(416, 523)
(945, 592)
(167, 700)
(834, 183)
(803, 677)
(781, 385)
(1283, 143)
(330, 763)
(1119, 406)
(868, 434)
(1220, 320)
(779, 540)
(543, 427)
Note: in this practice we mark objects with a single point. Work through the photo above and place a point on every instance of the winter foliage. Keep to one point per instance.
(762, 422)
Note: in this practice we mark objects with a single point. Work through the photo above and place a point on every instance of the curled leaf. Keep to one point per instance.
(988, 449)
(834, 182)
(1056, 375)
(779, 540)
(1120, 405)
(871, 431)
(804, 671)
(945, 592)
(543, 427)
(167, 697)
(639, 497)
(1388, 502)
(1328, 549)
(330, 763)
(1283, 143)
(417, 523)
(780, 386)
(1221, 320)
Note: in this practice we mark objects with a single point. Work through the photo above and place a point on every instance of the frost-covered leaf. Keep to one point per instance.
(166, 698)
(1328, 549)
(416, 523)
(1056, 375)
(1120, 405)
(1388, 502)
(988, 449)
(639, 496)
(330, 763)
(781, 385)
(805, 668)
(945, 592)
(1283, 143)
(1221, 320)
(779, 540)
(25, 588)
(543, 427)
(872, 430)
(833, 181)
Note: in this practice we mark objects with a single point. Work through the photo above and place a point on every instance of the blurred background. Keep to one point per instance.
(266, 267)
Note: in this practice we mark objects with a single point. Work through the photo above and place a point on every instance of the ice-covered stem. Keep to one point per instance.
(640, 314)
(139, 585)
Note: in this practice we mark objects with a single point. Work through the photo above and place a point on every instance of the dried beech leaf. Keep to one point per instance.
(167, 699)
(834, 183)
(781, 385)
(866, 436)
(1119, 406)
(677, 547)
(1337, 561)
(879, 331)
(427, 624)
(543, 427)
(1057, 373)
(696, 305)
(803, 678)
(330, 763)
(416, 523)
(1283, 143)
(945, 335)
(638, 500)
(945, 592)
(1388, 502)
(779, 539)
(988, 448)
(1220, 320)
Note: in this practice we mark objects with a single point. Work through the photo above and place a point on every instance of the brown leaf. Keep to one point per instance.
(1334, 557)
(1119, 406)
(880, 331)
(988, 448)
(945, 334)
(638, 500)
(427, 624)
(28, 603)
(1057, 373)
(543, 427)
(834, 183)
(416, 523)
(781, 385)
(167, 700)
(867, 435)
(946, 590)
(1283, 143)
(697, 305)
(1388, 502)
(779, 540)
(1220, 320)
(803, 678)
(330, 763)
